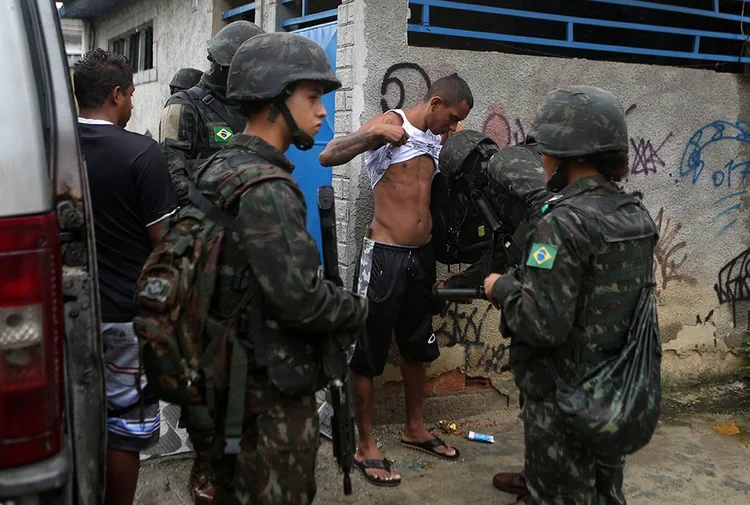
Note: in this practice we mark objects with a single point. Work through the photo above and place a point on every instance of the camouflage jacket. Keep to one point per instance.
(572, 299)
(195, 123)
(273, 255)
(519, 181)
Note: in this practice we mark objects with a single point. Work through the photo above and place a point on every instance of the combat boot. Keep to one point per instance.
(201, 477)
(511, 483)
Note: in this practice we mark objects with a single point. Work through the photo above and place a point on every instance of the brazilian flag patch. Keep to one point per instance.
(222, 134)
(542, 256)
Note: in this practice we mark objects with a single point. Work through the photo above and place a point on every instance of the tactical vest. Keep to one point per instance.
(624, 236)
(218, 123)
(294, 360)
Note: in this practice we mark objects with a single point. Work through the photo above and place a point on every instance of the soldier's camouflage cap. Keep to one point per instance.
(575, 121)
(266, 65)
(185, 78)
(459, 146)
(224, 45)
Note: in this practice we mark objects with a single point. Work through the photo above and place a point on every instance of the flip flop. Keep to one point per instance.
(429, 447)
(378, 464)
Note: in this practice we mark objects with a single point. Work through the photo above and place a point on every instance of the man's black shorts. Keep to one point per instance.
(397, 281)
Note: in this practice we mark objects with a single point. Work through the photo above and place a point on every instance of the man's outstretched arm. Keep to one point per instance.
(382, 129)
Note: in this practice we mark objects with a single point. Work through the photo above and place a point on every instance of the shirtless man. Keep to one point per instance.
(397, 264)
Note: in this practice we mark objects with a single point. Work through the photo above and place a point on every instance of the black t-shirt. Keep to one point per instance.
(130, 190)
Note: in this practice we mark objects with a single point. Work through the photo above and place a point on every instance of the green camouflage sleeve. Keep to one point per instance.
(178, 136)
(540, 308)
(284, 257)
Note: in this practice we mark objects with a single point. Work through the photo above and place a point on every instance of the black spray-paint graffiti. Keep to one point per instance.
(665, 251)
(646, 159)
(734, 283)
(463, 325)
(389, 78)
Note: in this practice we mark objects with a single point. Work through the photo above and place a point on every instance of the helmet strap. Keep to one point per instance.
(300, 139)
(559, 178)
(215, 79)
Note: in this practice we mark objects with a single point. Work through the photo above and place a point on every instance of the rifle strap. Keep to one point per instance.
(203, 95)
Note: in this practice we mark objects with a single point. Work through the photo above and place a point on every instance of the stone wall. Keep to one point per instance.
(690, 156)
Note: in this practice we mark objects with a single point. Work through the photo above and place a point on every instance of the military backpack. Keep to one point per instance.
(187, 354)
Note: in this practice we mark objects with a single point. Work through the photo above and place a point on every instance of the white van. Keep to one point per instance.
(52, 407)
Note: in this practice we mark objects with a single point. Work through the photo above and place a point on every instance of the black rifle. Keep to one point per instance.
(511, 249)
(342, 423)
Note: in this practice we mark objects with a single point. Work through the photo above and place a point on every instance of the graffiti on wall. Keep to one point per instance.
(725, 176)
(646, 159)
(463, 325)
(393, 77)
(733, 285)
(666, 252)
(504, 131)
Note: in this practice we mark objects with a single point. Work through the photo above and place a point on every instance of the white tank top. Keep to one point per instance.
(419, 144)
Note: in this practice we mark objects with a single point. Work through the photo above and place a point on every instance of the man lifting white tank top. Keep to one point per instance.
(396, 268)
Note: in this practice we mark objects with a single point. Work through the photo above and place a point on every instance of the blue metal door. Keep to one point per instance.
(309, 173)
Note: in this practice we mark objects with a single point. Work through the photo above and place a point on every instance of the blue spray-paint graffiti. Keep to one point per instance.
(732, 175)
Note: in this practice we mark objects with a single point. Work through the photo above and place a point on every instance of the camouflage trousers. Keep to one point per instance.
(276, 463)
(559, 471)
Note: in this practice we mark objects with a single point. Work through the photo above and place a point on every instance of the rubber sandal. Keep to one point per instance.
(377, 464)
(429, 447)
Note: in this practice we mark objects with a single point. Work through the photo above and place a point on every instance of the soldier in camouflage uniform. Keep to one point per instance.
(184, 78)
(197, 122)
(515, 182)
(279, 80)
(571, 304)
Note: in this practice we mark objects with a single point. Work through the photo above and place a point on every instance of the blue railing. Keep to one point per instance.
(571, 22)
(305, 17)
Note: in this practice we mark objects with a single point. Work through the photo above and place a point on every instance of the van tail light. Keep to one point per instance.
(31, 340)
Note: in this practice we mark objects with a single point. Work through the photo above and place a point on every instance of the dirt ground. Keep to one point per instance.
(687, 462)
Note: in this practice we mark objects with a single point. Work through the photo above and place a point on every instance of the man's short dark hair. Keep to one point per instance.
(97, 74)
(452, 89)
(614, 165)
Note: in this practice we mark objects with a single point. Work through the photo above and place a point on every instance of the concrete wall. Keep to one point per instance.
(690, 155)
(182, 29)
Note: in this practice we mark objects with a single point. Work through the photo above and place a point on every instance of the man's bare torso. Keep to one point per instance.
(402, 203)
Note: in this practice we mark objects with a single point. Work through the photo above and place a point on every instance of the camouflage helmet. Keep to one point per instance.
(222, 47)
(185, 78)
(265, 66)
(459, 147)
(575, 121)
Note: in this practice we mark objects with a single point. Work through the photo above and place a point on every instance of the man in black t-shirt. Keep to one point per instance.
(131, 196)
